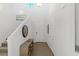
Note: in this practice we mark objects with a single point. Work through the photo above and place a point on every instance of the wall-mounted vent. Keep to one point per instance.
(20, 17)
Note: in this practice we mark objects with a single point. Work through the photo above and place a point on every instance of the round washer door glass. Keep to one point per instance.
(25, 31)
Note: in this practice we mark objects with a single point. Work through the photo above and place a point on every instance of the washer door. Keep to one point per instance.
(25, 31)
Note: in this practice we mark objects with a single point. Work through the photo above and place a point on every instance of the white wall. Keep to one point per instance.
(62, 39)
(20, 8)
(77, 23)
(16, 39)
(7, 21)
(38, 15)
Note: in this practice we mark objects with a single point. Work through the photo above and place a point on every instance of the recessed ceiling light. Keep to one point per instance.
(21, 12)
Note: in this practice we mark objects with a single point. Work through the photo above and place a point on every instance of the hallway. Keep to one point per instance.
(30, 48)
(41, 49)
